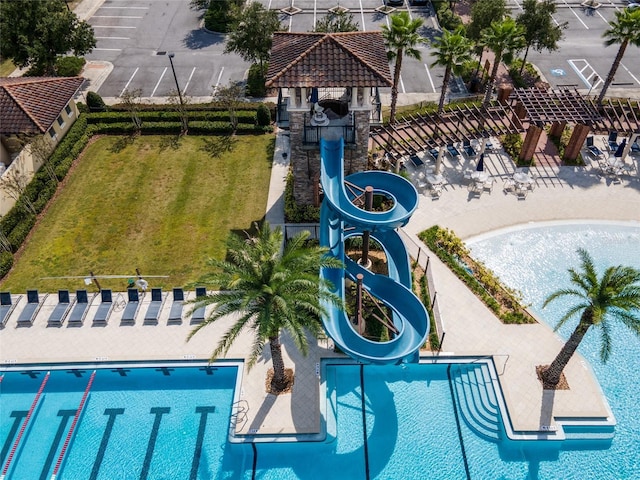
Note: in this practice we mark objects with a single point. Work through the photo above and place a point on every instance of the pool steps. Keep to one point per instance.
(476, 400)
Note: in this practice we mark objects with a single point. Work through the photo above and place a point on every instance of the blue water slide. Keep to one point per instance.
(339, 219)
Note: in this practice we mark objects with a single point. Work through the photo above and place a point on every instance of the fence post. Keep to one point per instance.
(435, 294)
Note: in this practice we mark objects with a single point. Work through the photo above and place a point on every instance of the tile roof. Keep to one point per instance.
(352, 59)
(32, 104)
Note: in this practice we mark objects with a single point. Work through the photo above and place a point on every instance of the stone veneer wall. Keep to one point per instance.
(305, 159)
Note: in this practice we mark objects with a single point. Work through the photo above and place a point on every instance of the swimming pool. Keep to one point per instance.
(436, 421)
(160, 422)
(534, 259)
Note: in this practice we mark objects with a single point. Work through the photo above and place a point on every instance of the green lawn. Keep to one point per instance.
(6, 67)
(147, 206)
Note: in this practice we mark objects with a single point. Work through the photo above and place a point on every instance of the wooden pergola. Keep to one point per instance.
(420, 132)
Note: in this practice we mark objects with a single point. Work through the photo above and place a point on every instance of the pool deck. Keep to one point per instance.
(563, 193)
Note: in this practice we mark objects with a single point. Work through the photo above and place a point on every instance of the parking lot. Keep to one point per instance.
(137, 35)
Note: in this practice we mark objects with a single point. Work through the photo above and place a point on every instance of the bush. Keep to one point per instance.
(255, 81)
(20, 232)
(263, 115)
(244, 117)
(95, 102)
(512, 144)
(529, 75)
(69, 66)
(6, 262)
(295, 213)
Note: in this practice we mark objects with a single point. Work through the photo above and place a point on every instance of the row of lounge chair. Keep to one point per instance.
(74, 309)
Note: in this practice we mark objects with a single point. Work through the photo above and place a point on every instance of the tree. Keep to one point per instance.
(452, 51)
(132, 101)
(272, 289)
(483, 12)
(35, 33)
(336, 22)
(624, 30)
(252, 32)
(540, 32)
(504, 39)
(401, 38)
(614, 296)
(230, 97)
(180, 104)
(14, 182)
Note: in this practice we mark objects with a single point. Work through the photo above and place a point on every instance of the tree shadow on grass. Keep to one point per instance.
(170, 141)
(216, 146)
(122, 143)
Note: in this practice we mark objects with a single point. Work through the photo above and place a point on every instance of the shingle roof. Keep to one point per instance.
(353, 59)
(32, 104)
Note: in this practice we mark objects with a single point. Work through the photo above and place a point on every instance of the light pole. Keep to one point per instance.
(171, 55)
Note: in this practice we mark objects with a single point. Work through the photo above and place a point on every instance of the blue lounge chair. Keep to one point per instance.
(434, 153)
(79, 310)
(468, 149)
(153, 312)
(198, 314)
(635, 147)
(593, 150)
(416, 161)
(104, 309)
(175, 315)
(60, 311)
(130, 311)
(6, 307)
(453, 151)
(613, 141)
(30, 310)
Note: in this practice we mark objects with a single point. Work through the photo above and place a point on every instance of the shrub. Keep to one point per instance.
(263, 115)
(255, 81)
(218, 17)
(6, 262)
(20, 232)
(95, 102)
(295, 213)
(512, 144)
(529, 75)
(69, 66)
(447, 19)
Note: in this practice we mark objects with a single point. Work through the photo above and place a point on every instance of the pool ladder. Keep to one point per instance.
(239, 412)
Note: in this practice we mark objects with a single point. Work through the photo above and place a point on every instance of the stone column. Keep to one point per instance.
(578, 137)
(504, 91)
(530, 143)
(520, 112)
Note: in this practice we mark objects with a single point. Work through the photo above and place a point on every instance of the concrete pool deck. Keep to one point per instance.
(563, 193)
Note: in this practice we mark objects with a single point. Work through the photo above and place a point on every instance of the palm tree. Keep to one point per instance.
(401, 38)
(271, 288)
(504, 38)
(614, 296)
(452, 51)
(624, 30)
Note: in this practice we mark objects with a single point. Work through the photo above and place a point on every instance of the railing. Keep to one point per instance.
(24, 426)
(65, 445)
(313, 134)
(376, 112)
(282, 112)
(292, 229)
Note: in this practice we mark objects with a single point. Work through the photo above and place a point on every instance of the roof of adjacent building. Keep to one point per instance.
(31, 104)
(350, 59)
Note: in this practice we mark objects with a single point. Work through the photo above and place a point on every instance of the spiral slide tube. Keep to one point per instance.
(338, 214)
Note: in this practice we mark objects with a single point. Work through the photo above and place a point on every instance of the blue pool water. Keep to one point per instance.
(436, 421)
(535, 261)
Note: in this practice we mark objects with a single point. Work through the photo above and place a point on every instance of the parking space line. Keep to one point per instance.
(402, 85)
(127, 85)
(630, 74)
(585, 79)
(364, 26)
(189, 80)
(576, 15)
(600, 15)
(215, 87)
(159, 80)
(430, 79)
(114, 16)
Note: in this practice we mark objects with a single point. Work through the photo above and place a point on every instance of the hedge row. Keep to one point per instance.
(209, 107)
(169, 128)
(244, 117)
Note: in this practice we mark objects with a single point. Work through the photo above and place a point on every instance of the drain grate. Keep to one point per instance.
(161, 53)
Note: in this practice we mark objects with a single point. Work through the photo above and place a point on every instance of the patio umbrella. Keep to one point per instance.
(439, 161)
(620, 149)
(314, 95)
(480, 166)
